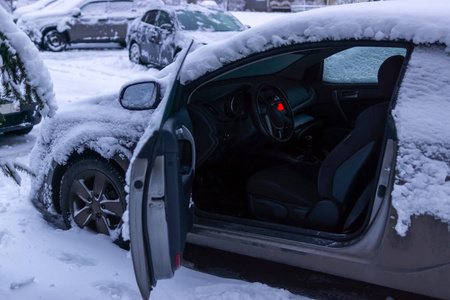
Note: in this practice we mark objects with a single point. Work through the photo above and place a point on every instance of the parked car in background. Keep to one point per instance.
(160, 34)
(319, 140)
(79, 21)
(17, 118)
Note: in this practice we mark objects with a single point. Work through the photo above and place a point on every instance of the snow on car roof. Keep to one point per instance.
(57, 8)
(38, 75)
(413, 21)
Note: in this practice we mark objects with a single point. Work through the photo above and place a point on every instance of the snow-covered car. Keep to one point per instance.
(319, 140)
(159, 35)
(79, 21)
(17, 13)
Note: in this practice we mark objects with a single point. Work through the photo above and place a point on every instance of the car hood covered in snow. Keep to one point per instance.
(100, 124)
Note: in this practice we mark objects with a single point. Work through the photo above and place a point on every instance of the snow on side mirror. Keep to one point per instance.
(167, 27)
(76, 12)
(140, 96)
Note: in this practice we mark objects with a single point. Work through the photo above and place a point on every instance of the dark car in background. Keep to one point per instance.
(159, 35)
(17, 118)
(66, 22)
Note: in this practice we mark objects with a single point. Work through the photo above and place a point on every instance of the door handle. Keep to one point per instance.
(182, 133)
(350, 95)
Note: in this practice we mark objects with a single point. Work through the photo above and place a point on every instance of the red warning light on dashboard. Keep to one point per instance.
(280, 106)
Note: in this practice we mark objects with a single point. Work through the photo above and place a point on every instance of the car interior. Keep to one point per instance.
(293, 140)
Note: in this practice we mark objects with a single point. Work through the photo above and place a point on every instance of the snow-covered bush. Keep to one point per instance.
(23, 75)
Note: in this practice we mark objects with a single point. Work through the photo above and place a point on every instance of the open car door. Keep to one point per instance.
(161, 178)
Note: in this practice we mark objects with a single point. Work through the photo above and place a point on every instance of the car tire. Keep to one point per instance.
(134, 53)
(55, 41)
(20, 131)
(84, 204)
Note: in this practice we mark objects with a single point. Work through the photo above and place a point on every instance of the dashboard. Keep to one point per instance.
(224, 115)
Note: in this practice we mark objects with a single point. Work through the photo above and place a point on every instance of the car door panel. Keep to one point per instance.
(340, 104)
(120, 13)
(84, 29)
(149, 36)
(160, 192)
(161, 179)
(89, 26)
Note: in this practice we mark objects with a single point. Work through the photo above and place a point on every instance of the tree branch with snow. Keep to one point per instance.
(24, 78)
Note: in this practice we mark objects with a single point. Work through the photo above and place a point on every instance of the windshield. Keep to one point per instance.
(207, 21)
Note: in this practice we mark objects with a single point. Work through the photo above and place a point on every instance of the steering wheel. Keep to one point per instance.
(272, 113)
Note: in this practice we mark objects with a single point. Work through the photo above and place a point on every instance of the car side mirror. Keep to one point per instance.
(140, 96)
(167, 27)
(76, 12)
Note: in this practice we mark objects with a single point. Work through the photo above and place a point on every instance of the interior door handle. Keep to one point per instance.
(183, 133)
(350, 95)
(338, 107)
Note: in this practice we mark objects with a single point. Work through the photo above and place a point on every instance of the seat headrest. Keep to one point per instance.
(388, 74)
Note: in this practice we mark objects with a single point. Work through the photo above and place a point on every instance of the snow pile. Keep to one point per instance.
(422, 185)
(37, 74)
(394, 20)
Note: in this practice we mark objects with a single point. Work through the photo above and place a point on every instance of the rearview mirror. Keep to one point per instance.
(140, 96)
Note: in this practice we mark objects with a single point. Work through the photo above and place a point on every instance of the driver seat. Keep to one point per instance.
(321, 197)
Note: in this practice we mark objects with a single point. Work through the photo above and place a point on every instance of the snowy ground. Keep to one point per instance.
(38, 261)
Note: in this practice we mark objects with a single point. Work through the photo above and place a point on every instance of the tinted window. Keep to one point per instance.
(358, 64)
(150, 17)
(118, 7)
(204, 21)
(93, 9)
(163, 18)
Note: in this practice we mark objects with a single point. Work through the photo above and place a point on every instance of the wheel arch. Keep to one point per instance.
(119, 161)
(47, 29)
(131, 42)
